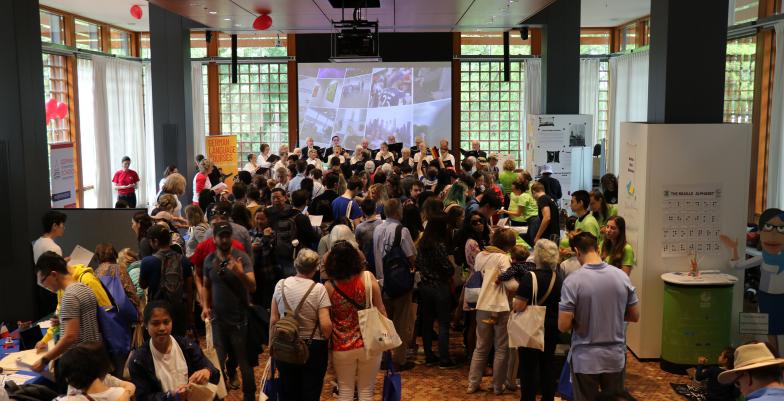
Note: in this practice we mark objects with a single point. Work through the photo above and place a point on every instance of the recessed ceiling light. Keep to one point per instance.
(227, 19)
(238, 25)
(213, 12)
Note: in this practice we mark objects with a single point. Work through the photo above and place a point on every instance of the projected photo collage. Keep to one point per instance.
(374, 101)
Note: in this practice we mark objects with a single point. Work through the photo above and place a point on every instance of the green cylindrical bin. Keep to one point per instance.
(696, 322)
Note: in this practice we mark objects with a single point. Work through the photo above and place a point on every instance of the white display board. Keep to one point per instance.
(61, 164)
(565, 142)
(665, 170)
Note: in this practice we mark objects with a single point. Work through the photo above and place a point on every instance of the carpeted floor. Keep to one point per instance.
(644, 380)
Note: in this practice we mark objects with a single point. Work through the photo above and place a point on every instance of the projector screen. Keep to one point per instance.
(374, 101)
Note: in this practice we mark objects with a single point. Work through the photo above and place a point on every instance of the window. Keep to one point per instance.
(492, 44)
(52, 28)
(198, 44)
(739, 80)
(256, 109)
(144, 48)
(254, 45)
(603, 107)
(491, 110)
(595, 41)
(629, 37)
(746, 11)
(88, 35)
(56, 87)
(120, 42)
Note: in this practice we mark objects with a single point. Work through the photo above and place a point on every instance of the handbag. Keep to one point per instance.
(269, 385)
(473, 287)
(212, 355)
(392, 390)
(565, 388)
(378, 332)
(526, 328)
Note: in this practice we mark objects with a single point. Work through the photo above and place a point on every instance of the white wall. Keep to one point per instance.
(666, 155)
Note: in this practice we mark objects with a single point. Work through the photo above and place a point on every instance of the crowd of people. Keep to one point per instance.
(300, 244)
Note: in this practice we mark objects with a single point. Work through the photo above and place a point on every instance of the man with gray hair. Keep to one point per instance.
(308, 147)
(398, 307)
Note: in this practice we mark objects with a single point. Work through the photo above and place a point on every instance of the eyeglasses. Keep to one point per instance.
(769, 227)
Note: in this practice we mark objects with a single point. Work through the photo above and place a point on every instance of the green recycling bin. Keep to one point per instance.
(697, 313)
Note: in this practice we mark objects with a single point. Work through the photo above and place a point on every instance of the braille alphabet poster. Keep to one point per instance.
(691, 220)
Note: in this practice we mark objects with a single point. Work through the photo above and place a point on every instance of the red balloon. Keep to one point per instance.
(62, 110)
(262, 22)
(136, 12)
(51, 106)
(48, 118)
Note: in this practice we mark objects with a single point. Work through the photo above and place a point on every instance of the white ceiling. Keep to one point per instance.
(608, 13)
(315, 15)
(113, 12)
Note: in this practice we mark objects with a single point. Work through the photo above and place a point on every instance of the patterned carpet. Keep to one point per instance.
(422, 383)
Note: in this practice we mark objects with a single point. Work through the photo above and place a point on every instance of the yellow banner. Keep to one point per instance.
(222, 150)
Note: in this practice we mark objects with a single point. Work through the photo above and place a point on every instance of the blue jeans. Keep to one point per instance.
(231, 338)
(435, 304)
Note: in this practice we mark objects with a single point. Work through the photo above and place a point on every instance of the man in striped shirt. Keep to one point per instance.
(78, 307)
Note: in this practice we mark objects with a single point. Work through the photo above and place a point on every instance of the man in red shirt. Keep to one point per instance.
(125, 181)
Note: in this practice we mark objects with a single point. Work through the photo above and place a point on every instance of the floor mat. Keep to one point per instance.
(692, 393)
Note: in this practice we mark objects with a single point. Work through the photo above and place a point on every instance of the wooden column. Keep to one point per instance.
(213, 86)
(535, 34)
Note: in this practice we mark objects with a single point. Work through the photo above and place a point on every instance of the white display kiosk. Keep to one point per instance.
(565, 142)
(680, 186)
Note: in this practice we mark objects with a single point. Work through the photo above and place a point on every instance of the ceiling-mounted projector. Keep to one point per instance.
(355, 40)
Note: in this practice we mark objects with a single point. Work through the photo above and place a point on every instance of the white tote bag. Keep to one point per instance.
(378, 332)
(212, 356)
(526, 328)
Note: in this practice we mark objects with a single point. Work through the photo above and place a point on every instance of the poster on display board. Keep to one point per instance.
(563, 142)
(61, 162)
(222, 150)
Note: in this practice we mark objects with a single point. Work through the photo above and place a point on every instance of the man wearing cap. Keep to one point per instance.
(228, 282)
(239, 233)
(551, 185)
(756, 372)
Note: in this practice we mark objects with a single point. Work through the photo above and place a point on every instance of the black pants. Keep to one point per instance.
(304, 382)
(436, 304)
(130, 198)
(230, 338)
(536, 368)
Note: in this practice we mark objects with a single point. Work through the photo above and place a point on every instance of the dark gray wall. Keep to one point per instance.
(89, 227)
(393, 47)
(686, 79)
(560, 23)
(171, 92)
(24, 172)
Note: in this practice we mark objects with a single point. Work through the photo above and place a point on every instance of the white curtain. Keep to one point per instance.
(197, 94)
(89, 163)
(589, 93)
(628, 99)
(149, 136)
(118, 117)
(776, 141)
(532, 99)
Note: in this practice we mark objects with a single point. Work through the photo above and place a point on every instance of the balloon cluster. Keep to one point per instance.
(55, 109)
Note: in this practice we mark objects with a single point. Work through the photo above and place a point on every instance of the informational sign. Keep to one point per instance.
(753, 323)
(222, 150)
(692, 220)
(62, 175)
(562, 142)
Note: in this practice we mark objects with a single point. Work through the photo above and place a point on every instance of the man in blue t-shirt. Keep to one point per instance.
(596, 300)
(345, 205)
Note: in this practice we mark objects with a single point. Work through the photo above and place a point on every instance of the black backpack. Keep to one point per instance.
(398, 278)
(285, 233)
(172, 284)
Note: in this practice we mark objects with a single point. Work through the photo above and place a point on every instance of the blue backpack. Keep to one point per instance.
(398, 278)
(114, 287)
